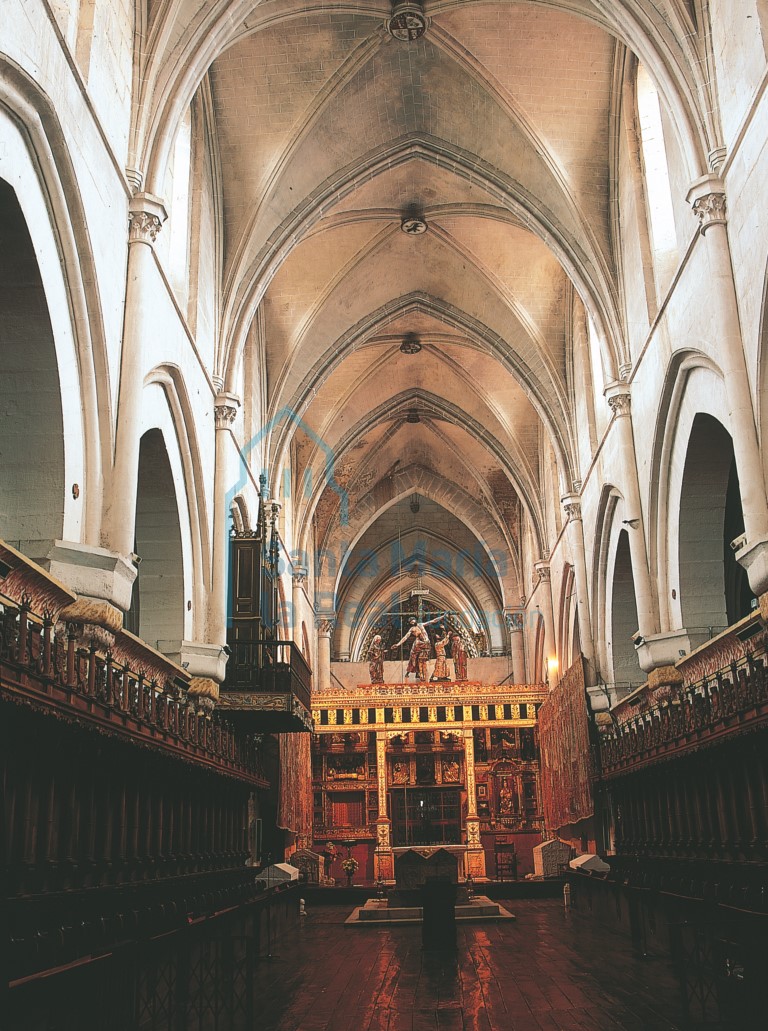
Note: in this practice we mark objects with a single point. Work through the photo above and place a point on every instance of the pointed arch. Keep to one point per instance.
(47, 186)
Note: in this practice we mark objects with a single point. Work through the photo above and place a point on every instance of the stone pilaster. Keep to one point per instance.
(324, 625)
(544, 598)
(515, 623)
(708, 201)
(225, 411)
(619, 401)
(146, 215)
(572, 507)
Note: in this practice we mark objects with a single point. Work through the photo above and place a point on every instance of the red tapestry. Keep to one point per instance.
(295, 808)
(566, 763)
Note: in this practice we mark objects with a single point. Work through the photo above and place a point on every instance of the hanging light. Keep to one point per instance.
(415, 503)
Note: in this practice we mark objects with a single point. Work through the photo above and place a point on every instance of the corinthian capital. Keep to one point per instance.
(707, 198)
(325, 625)
(225, 410)
(571, 507)
(620, 401)
(146, 214)
(514, 621)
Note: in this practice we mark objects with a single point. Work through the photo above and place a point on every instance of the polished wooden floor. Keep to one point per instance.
(545, 972)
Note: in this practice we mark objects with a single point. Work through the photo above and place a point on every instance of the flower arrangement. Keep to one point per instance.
(350, 866)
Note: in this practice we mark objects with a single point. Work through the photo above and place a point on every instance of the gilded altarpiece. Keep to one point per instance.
(424, 766)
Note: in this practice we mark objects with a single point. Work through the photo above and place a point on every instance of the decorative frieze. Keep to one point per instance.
(454, 714)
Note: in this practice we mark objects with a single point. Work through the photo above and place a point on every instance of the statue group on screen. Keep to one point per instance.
(421, 652)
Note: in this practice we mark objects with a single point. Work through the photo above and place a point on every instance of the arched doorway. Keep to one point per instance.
(157, 607)
(714, 589)
(31, 422)
(627, 673)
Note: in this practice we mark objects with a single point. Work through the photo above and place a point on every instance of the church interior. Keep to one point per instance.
(384, 504)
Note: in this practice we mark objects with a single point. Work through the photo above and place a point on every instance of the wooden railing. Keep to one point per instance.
(44, 667)
(729, 700)
(269, 666)
(286, 669)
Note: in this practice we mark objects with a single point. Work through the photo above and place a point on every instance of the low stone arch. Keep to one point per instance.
(157, 612)
(568, 622)
(608, 526)
(33, 453)
(693, 386)
(170, 379)
(626, 672)
(713, 588)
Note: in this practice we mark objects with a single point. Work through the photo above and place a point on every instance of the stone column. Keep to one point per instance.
(225, 412)
(146, 215)
(325, 625)
(707, 198)
(475, 855)
(385, 860)
(299, 591)
(619, 401)
(207, 661)
(572, 506)
(544, 599)
(514, 620)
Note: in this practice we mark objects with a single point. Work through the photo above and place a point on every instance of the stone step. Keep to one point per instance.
(378, 911)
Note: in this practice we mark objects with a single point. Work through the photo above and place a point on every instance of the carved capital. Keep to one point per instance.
(300, 576)
(325, 625)
(620, 403)
(542, 573)
(146, 215)
(571, 507)
(710, 210)
(225, 409)
(514, 621)
(707, 199)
